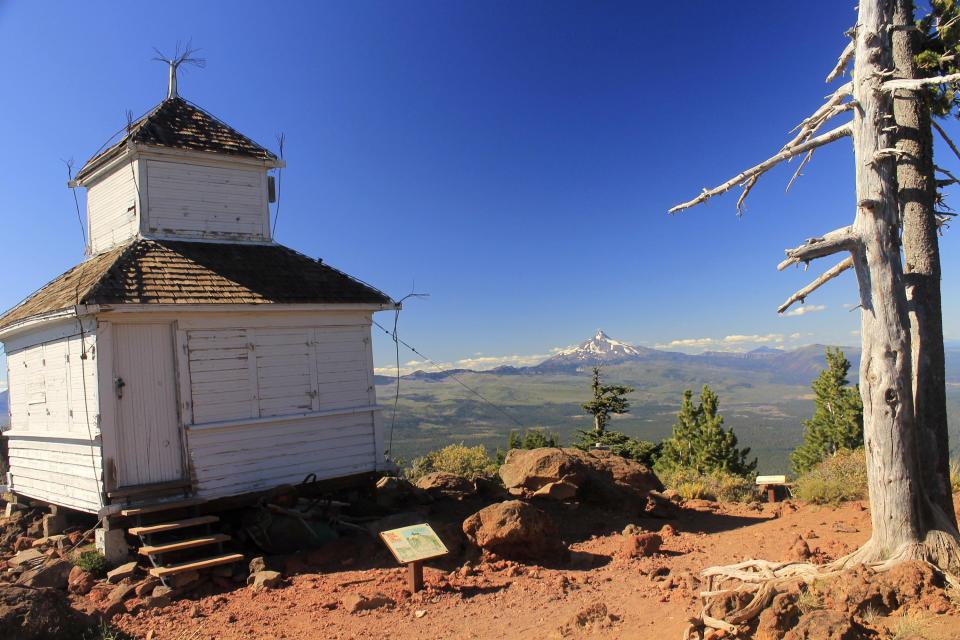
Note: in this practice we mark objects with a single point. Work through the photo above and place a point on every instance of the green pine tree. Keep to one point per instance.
(837, 421)
(607, 399)
(700, 443)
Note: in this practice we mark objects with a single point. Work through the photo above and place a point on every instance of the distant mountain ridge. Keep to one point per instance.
(799, 365)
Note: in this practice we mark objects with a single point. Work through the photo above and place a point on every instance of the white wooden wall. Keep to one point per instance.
(112, 206)
(269, 404)
(55, 452)
(187, 200)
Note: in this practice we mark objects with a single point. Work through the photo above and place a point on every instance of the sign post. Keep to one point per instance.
(411, 546)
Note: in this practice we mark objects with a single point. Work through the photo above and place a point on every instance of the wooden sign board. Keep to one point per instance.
(415, 543)
(761, 480)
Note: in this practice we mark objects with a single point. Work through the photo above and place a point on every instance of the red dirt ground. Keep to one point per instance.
(645, 598)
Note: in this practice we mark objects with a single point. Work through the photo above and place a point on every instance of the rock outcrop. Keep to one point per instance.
(515, 530)
(596, 476)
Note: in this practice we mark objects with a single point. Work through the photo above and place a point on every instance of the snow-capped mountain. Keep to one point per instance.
(600, 349)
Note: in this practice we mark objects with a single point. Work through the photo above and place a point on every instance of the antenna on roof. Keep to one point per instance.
(175, 61)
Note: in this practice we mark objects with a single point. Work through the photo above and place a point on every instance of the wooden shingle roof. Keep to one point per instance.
(169, 272)
(178, 124)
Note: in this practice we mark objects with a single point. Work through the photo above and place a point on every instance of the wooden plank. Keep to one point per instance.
(162, 506)
(206, 563)
(172, 526)
(148, 488)
(180, 545)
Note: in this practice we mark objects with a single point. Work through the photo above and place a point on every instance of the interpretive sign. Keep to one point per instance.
(414, 543)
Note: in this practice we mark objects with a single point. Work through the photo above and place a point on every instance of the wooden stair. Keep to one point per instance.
(175, 546)
(180, 545)
(161, 506)
(206, 563)
(172, 526)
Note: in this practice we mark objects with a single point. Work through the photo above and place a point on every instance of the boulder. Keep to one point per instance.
(53, 574)
(824, 624)
(37, 614)
(265, 579)
(146, 586)
(532, 469)
(125, 570)
(25, 558)
(441, 484)
(561, 490)
(781, 616)
(599, 476)
(641, 546)
(80, 582)
(354, 602)
(514, 529)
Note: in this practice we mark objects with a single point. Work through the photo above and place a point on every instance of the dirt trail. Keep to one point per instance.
(644, 598)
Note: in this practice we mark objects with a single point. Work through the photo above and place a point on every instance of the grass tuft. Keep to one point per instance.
(838, 478)
(718, 485)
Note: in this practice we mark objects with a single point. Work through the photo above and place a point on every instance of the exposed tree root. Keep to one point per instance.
(765, 579)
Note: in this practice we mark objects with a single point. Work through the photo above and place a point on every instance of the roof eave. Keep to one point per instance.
(26, 324)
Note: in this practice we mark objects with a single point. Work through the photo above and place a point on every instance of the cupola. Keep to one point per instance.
(178, 173)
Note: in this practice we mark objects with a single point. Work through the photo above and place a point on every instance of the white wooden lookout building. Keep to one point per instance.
(190, 355)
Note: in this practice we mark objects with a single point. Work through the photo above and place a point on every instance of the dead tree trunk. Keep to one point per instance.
(917, 191)
(907, 523)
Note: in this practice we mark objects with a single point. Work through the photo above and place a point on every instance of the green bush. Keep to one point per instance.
(955, 475)
(838, 478)
(619, 443)
(533, 439)
(468, 462)
(92, 562)
(715, 485)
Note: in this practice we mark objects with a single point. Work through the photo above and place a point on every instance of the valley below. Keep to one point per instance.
(764, 395)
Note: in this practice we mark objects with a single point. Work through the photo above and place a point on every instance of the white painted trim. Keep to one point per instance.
(124, 158)
(268, 307)
(297, 417)
(48, 435)
(28, 323)
(206, 157)
(108, 403)
(64, 325)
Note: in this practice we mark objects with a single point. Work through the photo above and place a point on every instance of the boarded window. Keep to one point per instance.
(265, 372)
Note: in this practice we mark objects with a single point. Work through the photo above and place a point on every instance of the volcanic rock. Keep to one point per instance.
(514, 529)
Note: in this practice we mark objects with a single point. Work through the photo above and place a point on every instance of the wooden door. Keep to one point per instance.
(148, 442)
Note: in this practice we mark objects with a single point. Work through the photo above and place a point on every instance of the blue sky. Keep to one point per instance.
(515, 160)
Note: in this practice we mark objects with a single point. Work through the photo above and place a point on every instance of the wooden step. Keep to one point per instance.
(193, 565)
(163, 527)
(180, 545)
(162, 506)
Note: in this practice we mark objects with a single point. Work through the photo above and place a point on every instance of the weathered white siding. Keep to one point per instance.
(260, 372)
(55, 452)
(205, 202)
(252, 457)
(112, 205)
(270, 405)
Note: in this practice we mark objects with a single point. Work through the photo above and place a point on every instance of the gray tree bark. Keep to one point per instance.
(916, 187)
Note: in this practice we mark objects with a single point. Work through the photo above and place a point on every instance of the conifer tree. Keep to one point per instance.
(700, 443)
(607, 399)
(837, 421)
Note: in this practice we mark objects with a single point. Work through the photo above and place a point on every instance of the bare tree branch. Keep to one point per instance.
(803, 163)
(952, 177)
(946, 138)
(766, 165)
(912, 84)
(828, 275)
(842, 63)
(843, 239)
